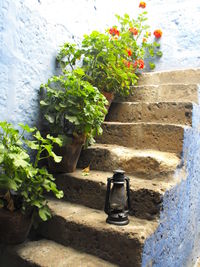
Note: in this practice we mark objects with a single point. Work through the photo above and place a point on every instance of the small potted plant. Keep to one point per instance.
(112, 60)
(22, 183)
(74, 110)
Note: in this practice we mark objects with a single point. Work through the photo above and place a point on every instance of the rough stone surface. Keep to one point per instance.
(156, 136)
(110, 157)
(90, 190)
(176, 241)
(188, 76)
(85, 228)
(164, 93)
(46, 253)
(164, 112)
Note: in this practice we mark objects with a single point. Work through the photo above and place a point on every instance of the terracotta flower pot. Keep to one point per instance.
(109, 96)
(14, 226)
(70, 154)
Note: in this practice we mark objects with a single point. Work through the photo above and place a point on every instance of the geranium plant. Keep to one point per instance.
(111, 60)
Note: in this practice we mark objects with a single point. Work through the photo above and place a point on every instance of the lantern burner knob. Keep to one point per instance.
(118, 171)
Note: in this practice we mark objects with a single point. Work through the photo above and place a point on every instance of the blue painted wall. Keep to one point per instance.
(31, 32)
(176, 241)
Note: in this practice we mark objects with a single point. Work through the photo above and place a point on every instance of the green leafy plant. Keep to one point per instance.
(72, 106)
(111, 60)
(22, 182)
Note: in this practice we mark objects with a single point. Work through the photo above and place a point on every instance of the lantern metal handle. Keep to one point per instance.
(128, 192)
(109, 180)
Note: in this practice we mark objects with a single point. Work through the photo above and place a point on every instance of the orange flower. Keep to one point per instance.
(158, 34)
(114, 31)
(142, 4)
(128, 50)
(139, 63)
(144, 40)
(134, 31)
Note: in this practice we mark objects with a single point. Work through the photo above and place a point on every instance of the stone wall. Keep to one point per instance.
(32, 31)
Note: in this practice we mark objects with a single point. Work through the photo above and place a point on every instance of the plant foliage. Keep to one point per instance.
(72, 105)
(22, 182)
(111, 60)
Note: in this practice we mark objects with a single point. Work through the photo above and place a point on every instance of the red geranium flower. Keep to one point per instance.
(134, 31)
(142, 4)
(158, 34)
(127, 63)
(114, 31)
(128, 50)
(139, 63)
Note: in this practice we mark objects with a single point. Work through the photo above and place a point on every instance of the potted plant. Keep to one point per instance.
(22, 183)
(73, 110)
(112, 60)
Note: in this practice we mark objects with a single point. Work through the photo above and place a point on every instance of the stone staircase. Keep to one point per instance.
(144, 134)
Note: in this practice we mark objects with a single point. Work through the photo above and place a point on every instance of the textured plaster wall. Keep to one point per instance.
(31, 32)
(176, 241)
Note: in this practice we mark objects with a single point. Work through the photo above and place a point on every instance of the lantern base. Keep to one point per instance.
(118, 219)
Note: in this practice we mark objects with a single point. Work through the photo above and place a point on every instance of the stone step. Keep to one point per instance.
(172, 76)
(164, 93)
(156, 136)
(163, 112)
(90, 190)
(46, 253)
(86, 228)
(107, 157)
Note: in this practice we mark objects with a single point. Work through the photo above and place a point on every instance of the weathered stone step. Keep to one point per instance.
(90, 190)
(156, 136)
(164, 93)
(86, 228)
(171, 76)
(108, 157)
(46, 253)
(164, 112)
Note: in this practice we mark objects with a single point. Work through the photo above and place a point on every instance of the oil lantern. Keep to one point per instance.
(117, 204)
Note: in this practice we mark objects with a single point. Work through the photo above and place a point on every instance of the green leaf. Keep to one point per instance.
(56, 140)
(18, 162)
(52, 154)
(72, 119)
(38, 204)
(62, 105)
(152, 65)
(32, 144)
(50, 118)
(27, 128)
(59, 194)
(19, 159)
(80, 72)
(159, 53)
(156, 44)
(44, 213)
(55, 157)
(43, 103)
(38, 136)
